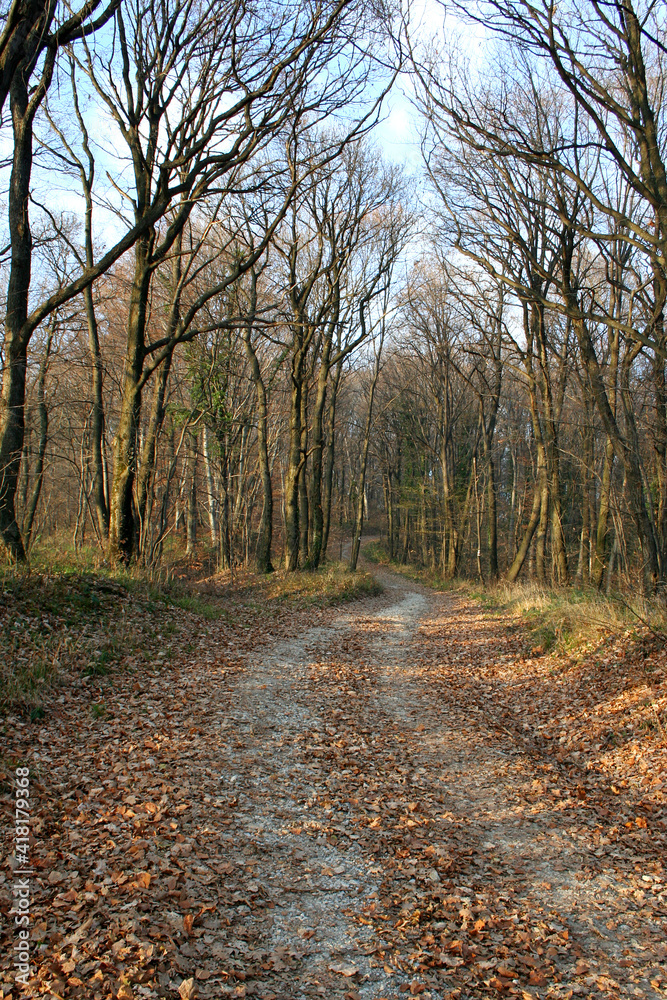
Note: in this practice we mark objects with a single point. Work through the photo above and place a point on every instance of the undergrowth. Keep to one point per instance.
(429, 576)
(567, 619)
(331, 584)
(80, 616)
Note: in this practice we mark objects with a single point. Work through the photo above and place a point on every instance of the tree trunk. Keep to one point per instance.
(423, 525)
(121, 516)
(602, 530)
(153, 554)
(511, 533)
(405, 548)
(610, 567)
(449, 536)
(317, 457)
(191, 508)
(539, 517)
(149, 447)
(225, 526)
(361, 482)
(389, 503)
(303, 482)
(329, 456)
(22, 490)
(43, 417)
(210, 489)
(265, 536)
(293, 469)
(549, 439)
(557, 533)
(492, 517)
(478, 514)
(542, 525)
(12, 401)
(660, 446)
(522, 552)
(581, 576)
(587, 504)
(626, 451)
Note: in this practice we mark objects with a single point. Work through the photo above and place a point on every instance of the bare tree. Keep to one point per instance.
(33, 33)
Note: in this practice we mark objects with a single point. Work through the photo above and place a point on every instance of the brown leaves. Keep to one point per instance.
(188, 989)
(344, 969)
(236, 819)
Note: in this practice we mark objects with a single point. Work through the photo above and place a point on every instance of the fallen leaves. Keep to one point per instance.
(342, 969)
(235, 812)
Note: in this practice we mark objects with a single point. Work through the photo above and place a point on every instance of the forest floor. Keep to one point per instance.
(395, 797)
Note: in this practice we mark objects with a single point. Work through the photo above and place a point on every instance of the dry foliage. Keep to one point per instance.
(405, 796)
(78, 623)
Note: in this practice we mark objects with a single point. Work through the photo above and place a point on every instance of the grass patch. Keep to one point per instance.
(565, 619)
(198, 606)
(64, 623)
(329, 585)
(376, 552)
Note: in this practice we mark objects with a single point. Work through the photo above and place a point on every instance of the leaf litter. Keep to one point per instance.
(398, 800)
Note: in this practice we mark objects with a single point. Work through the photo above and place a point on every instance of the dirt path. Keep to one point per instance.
(390, 837)
(348, 813)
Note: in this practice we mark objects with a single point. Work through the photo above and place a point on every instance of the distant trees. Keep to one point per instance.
(338, 249)
(550, 174)
(490, 394)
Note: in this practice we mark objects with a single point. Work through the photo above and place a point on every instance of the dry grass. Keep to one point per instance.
(564, 620)
(332, 584)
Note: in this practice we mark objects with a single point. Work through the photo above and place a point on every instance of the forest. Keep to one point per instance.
(234, 318)
(333, 499)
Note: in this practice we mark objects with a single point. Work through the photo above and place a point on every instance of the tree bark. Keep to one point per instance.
(149, 447)
(602, 529)
(317, 458)
(303, 480)
(361, 482)
(329, 456)
(43, 418)
(191, 506)
(265, 534)
(390, 516)
(549, 437)
(511, 533)
(24, 39)
(100, 505)
(210, 489)
(294, 458)
(225, 506)
(539, 518)
(12, 401)
(522, 552)
(121, 520)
